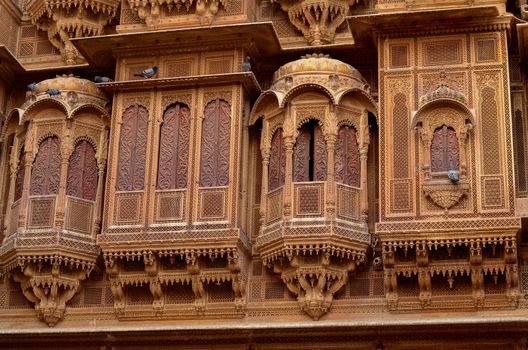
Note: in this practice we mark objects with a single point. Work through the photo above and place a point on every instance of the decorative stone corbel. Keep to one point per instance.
(424, 275)
(390, 277)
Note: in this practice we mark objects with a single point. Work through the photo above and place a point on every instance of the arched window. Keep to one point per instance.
(82, 172)
(444, 150)
(309, 154)
(21, 171)
(347, 166)
(174, 148)
(45, 174)
(277, 163)
(132, 149)
(216, 127)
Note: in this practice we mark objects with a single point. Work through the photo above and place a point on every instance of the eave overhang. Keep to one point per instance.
(102, 50)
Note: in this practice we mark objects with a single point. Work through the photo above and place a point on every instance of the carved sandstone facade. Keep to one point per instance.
(297, 174)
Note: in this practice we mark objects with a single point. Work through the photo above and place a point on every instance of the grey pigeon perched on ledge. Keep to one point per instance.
(246, 65)
(53, 92)
(147, 73)
(32, 86)
(99, 79)
(453, 175)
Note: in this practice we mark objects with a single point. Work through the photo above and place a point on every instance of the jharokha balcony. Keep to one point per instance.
(315, 152)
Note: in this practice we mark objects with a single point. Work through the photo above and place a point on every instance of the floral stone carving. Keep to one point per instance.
(445, 194)
(68, 19)
(317, 19)
(150, 11)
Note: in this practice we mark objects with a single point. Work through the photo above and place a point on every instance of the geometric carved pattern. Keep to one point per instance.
(309, 154)
(216, 127)
(443, 52)
(486, 50)
(274, 206)
(347, 202)
(399, 56)
(128, 208)
(400, 130)
(309, 199)
(401, 194)
(82, 172)
(132, 149)
(41, 212)
(444, 150)
(277, 162)
(490, 132)
(492, 188)
(347, 157)
(174, 148)
(45, 175)
(79, 215)
(169, 206)
(213, 204)
(520, 154)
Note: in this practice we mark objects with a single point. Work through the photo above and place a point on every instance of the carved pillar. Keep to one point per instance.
(66, 150)
(464, 133)
(29, 156)
(363, 156)
(477, 275)
(330, 176)
(264, 185)
(390, 276)
(426, 141)
(288, 186)
(13, 167)
(424, 275)
(101, 167)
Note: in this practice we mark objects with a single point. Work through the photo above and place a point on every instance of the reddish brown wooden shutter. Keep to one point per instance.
(174, 148)
(347, 167)
(45, 174)
(309, 154)
(82, 172)
(21, 170)
(132, 149)
(277, 162)
(444, 150)
(216, 131)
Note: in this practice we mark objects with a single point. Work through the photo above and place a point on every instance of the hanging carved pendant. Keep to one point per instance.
(317, 19)
(70, 19)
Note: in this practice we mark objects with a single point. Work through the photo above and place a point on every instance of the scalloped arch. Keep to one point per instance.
(305, 88)
(14, 112)
(457, 105)
(32, 108)
(351, 91)
(89, 106)
(260, 102)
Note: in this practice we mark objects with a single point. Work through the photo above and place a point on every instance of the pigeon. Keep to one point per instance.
(99, 79)
(453, 175)
(53, 92)
(147, 73)
(246, 65)
(32, 86)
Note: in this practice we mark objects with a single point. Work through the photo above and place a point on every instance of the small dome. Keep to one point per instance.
(67, 83)
(316, 63)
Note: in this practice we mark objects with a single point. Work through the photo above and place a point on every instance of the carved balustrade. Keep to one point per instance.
(314, 191)
(57, 161)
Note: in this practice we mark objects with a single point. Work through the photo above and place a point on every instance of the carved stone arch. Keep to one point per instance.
(173, 157)
(45, 172)
(39, 105)
(132, 149)
(11, 118)
(215, 144)
(300, 89)
(82, 170)
(270, 131)
(90, 106)
(347, 121)
(266, 99)
(427, 108)
(87, 139)
(369, 102)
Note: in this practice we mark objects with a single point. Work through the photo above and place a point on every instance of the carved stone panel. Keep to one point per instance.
(19, 181)
(45, 175)
(216, 126)
(277, 162)
(132, 149)
(444, 150)
(347, 157)
(174, 148)
(82, 172)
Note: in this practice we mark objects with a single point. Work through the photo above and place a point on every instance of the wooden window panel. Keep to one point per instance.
(82, 172)
(45, 174)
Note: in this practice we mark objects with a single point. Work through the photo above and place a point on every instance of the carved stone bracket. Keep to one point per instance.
(317, 19)
(445, 194)
(65, 20)
(150, 11)
(50, 286)
(314, 279)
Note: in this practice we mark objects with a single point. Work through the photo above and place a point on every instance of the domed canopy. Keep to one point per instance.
(318, 64)
(67, 83)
